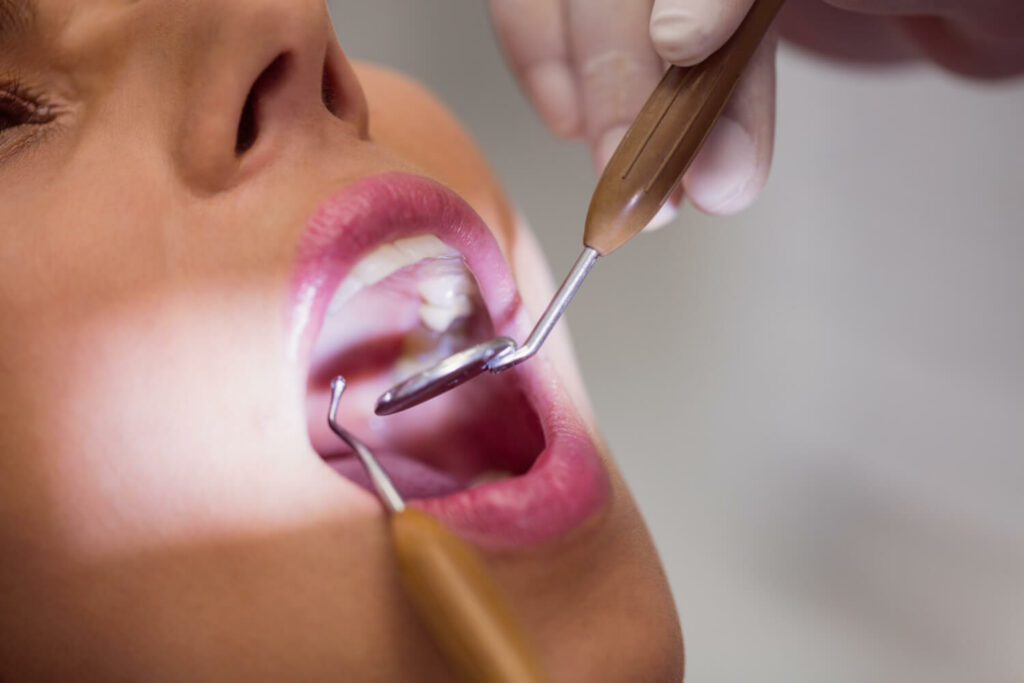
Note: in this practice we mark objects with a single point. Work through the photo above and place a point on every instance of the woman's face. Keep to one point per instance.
(206, 213)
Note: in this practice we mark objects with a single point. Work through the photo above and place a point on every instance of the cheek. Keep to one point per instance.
(116, 413)
(76, 240)
(162, 418)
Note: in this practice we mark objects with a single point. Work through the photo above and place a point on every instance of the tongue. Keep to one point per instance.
(412, 478)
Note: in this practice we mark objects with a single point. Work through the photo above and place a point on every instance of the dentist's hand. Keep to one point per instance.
(588, 65)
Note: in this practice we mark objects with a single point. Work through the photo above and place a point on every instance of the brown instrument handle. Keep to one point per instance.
(459, 604)
(667, 134)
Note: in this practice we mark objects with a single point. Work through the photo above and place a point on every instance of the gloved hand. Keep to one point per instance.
(588, 65)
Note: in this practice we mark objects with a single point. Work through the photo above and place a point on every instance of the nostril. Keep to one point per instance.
(249, 121)
(247, 128)
(328, 90)
(332, 90)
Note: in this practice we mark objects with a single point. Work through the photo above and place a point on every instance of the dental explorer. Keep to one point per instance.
(446, 582)
(647, 166)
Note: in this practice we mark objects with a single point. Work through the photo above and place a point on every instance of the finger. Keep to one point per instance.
(686, 32)
(732, 167)
(616, 67)
(533, 36)
(668, 212)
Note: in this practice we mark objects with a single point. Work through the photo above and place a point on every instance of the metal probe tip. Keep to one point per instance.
(382, 483)
(338, 385)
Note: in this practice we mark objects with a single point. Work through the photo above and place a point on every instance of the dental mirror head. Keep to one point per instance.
(494, 355)
(440, 377)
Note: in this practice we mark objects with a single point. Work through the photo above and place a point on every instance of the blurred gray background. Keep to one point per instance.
(819, 404)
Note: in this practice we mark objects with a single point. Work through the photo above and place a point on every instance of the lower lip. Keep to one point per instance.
(567, 484)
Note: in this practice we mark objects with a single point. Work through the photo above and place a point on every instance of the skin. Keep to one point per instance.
(589, 65)
(162, 516)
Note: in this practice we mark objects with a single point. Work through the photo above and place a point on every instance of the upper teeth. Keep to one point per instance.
(446, 299)
(445, 291)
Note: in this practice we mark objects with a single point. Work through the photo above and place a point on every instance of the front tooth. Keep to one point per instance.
(385, 260)
(423, 247)
(442, 289)
(440, 318)
(389, 258)
(380, 263)
(348, 288)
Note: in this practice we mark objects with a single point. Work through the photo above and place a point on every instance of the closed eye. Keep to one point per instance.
(18, 108)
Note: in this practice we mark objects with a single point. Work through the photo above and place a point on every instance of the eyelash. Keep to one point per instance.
(19, 106)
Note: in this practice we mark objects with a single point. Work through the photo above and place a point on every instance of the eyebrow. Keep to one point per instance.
(16, 16)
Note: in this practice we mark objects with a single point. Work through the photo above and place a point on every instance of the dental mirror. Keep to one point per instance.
(494, 355)
(442, 376)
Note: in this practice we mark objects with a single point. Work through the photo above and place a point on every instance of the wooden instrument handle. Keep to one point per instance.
(666, 135)
(459, 604)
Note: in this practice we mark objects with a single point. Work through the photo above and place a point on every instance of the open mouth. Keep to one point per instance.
(395, 273)
(405, 305)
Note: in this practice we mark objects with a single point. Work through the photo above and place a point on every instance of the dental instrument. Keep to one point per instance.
(446, 582)
(647, 166)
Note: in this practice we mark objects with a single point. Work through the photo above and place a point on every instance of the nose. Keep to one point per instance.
(265, 75)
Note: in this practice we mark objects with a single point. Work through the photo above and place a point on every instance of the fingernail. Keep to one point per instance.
(679, 37)
(718, 182)
(607, 145)
(554, 93)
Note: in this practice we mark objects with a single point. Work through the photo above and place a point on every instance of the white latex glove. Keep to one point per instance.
(588, 65)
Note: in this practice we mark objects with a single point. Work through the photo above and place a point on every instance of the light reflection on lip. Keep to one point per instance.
(567, 484)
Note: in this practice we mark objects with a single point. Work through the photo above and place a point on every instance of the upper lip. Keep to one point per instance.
(567, 484)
